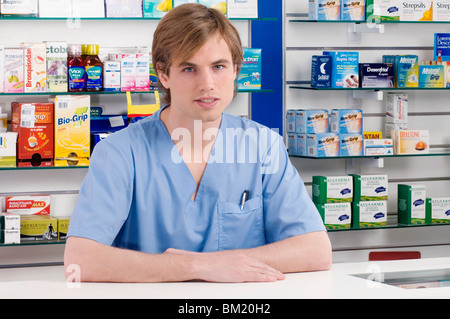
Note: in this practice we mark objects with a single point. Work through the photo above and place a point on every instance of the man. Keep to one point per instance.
(192, 193)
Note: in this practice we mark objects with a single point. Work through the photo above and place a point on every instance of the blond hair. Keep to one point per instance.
(184, 30)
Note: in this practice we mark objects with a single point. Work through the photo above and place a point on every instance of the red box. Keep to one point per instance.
(34, 124)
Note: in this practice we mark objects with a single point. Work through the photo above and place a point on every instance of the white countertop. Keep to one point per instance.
(49, 282)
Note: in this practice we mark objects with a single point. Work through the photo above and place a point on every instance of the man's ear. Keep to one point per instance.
(163, 78)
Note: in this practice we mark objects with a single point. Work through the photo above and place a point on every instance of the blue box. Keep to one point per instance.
(250, 75)
(431, 76)
(345, 69)
(351, 144)
(321, 71)
(442, 46)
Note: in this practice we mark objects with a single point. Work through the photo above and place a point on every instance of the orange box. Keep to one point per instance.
(34, 124)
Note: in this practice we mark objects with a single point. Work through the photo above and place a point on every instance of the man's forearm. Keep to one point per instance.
(308, 252)
(100, 263)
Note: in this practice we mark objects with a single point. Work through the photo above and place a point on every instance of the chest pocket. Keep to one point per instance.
(240, 229)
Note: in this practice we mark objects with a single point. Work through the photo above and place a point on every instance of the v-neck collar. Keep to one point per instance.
(188, 184)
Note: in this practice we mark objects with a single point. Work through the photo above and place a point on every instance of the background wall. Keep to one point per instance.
(427, 110)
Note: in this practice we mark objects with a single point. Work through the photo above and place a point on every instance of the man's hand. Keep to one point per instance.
(229, 266)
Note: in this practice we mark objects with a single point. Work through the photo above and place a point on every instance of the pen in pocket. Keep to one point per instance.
(244, 198)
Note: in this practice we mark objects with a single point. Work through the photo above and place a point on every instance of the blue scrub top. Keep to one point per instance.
(138, 191)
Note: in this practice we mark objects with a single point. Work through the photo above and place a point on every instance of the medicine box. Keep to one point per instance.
(55, 8)
(88, 9)
(63, 227)
(72, 130)
(392, 127)
(438, 210)
(441, 47)
(373, 147)
(346, 120)
(28, 205)
(311, 121)
(335, 215)
(34, 124)
(376, 75)
(9, 236)
(37, 228)
(345, 66)
(220, 5)
(292, 144)
(142, 71)
(111, 76)
(123, 8)
(324, 10)
(290, 121)
(416, 10)
(127, 70)
(8, 150)
(431, 76)
(321, 71)
(406, 71)
(370, 187)
(250, 76)
(242, 8)
(13, 76)
(411, 206)
(396, 107)
(382, 10)
(9, 221)
(19, 7)
(322, 144)
(35, 67)
(332, 189)
(177, 3)
(369, 214)
(156, 8)
(350, 144)
(411, 141)
(441, 10)
(56, 66)
(353, 10)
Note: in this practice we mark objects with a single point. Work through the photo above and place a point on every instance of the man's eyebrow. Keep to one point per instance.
(190, 64)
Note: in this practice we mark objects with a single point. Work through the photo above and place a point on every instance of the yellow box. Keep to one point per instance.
(373, 135)
(63, 227)
(72, 130)
(38, 227)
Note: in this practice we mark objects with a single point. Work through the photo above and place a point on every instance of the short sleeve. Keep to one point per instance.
(106, 192)
(288, 208)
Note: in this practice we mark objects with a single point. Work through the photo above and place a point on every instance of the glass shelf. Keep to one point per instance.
(390, 224)
(40, 168)
(35, 243)
(303, 20)
(309, 87)
(443, 152)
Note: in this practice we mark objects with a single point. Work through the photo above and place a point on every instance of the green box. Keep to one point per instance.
(411, 204)
(336, 215)
(332, 189)
(368, 214)
(438, 210)
(370, 187)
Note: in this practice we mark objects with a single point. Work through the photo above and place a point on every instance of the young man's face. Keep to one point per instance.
(203, 86)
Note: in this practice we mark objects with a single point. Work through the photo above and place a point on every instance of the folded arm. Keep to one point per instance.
(100, 263)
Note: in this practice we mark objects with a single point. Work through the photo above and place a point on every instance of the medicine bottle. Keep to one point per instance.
(94, 68)
(76, 70)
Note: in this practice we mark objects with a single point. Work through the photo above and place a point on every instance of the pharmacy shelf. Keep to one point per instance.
(115, 18)
(391, 223)
(433, 153)
(309, 87)
(36, 243)
(306, 20)
(41, 168)
(110, 92)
